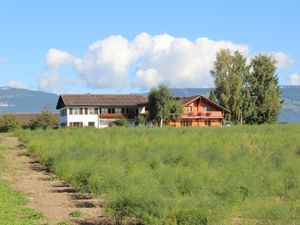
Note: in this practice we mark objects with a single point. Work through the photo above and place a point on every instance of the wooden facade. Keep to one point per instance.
(199, 111)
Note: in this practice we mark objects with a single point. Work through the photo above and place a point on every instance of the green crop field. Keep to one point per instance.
(186, 176)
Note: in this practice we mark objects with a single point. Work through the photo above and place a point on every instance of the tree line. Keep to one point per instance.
(249, 90)
(44, 120)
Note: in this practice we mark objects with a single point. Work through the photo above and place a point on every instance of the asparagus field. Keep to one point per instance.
(180, 176)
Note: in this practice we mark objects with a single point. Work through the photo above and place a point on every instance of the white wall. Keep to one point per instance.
(85, 119)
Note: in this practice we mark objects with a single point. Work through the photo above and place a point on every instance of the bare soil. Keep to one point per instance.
(46, 193)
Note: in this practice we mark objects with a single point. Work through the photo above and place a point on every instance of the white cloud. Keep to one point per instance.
(18, 84)
(117, 63)
(181, 62)
(56, 58)
(283, 60)
(295, 79)
(106, 63)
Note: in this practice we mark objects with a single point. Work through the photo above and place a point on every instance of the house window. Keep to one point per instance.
(76, 111)
(104, 110)
(91, 110)
(81, 111)
(123, 110)
(118, 110)
(188, 109)
(91, 124)
(76, 124)
(63, 112)
(70, 111)
(131, 111)
(110, 110)
(86, 111)
(96, 111)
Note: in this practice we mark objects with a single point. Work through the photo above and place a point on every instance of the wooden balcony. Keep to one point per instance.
(209, 114)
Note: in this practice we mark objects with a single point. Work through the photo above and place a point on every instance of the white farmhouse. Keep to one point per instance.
(99, 110)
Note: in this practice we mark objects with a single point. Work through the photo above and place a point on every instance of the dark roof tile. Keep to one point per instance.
(102, 100)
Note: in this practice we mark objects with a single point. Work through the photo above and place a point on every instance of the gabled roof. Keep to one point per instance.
(187, 100)
(101, 100)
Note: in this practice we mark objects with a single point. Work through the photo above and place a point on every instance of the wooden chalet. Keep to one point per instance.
(199, 111)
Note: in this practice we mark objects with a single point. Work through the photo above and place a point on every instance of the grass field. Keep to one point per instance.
(186, 176)
(12, 210)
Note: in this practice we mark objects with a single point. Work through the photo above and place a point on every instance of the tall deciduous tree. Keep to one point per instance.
(264, 89)
(162, 104)
(250, 92)
(231, 74)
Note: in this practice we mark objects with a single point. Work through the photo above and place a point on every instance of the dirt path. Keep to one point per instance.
(46, 193)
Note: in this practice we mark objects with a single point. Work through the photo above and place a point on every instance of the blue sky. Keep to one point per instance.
(128, 46)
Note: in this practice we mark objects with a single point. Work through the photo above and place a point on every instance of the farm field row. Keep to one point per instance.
(229, 175)
(12, 210)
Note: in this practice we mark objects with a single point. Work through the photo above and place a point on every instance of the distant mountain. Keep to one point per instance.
(23, 100)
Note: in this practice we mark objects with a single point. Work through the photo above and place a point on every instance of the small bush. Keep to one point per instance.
(122, 122)
(8, 123)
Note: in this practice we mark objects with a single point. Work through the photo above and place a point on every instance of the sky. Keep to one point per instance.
(129, 46)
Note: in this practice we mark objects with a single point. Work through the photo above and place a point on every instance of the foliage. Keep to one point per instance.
(8, 122)
(231, 74)
(76, 213)
(162, 104)
(264, 90)
(122, 122)
(175, 109)
(142, 120)
(250, 92)
(181, 176)
(212, 96)
(44, 120)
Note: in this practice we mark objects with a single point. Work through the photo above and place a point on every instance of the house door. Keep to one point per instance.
(208, 122)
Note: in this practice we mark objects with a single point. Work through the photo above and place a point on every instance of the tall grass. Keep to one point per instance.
(187, 176)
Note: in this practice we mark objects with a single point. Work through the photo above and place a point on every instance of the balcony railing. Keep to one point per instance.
(207, 114)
